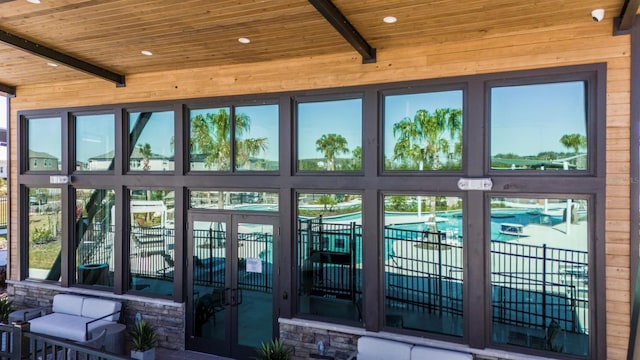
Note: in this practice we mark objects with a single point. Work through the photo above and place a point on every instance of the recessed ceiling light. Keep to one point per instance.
(390, 19)
(52, 64)
(34, 1)
(146, 52)
(244, 40)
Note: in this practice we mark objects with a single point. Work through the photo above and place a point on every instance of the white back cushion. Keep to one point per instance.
(67, 304)
(370, 348)
(423, 352)
(97, 308)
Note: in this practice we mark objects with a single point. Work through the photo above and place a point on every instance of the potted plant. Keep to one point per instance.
(143, 338)
(274, 350)
(6, 307)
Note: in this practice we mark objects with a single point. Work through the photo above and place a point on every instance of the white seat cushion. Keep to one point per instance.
(427, 353)
(65, 326)
(67, 304)
(97, 308)
(370, 348)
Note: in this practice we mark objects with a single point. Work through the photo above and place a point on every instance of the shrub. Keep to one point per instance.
(41, 235)
(143, 336)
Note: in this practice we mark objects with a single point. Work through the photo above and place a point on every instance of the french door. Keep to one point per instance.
(231, 308)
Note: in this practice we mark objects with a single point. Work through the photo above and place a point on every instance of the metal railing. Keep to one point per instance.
(15, 344)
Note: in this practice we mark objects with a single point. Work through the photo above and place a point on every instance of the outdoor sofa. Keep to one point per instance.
(74, 317)
(372, 348)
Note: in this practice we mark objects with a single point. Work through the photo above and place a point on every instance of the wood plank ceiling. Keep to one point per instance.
(111, 34)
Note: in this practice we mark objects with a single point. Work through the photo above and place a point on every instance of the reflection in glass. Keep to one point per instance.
(45, 243)
(330, 135)
(330, 256)
(234, 200)
(255, 284)
(540, 274)
(210, 139)
(151, 245)
(423, 131)
(95, 231)
(151, 141)
(424, 263)
(45, 144)
(209, 268)
(95, 144)
(539, 127)
(256, 138)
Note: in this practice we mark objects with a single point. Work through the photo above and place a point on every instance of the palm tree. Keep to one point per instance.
(332, 145)
(145, 152)
(357, 158)
(422, 139)
(211, 137)
(574, 141)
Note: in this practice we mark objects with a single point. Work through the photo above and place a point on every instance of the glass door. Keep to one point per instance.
(231, 308)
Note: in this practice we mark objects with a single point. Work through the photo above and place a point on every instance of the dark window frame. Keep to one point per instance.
(371, 182)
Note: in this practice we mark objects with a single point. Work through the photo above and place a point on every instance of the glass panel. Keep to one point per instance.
(45, 243)
(95, 144)
(424, 263)
(45, 144)
(95, 229)
(539, 127)
(210, 140)
(257, 138)
(234, 200)
(540, 273)
(255, 285)
(330, 135)
(152, 241)
(151, 141)
(330, 255)
(423, 131)
(209, 256)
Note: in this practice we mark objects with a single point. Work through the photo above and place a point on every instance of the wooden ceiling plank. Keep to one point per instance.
(58, 57)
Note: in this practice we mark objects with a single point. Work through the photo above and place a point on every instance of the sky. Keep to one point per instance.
(529, 119)
(343, 117)
(3, 112)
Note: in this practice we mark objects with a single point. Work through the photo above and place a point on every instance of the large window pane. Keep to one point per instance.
(256, 138)
(423, 131)
(539, 127)
(95, 144)
(540, 273)
(95, 231)
(210, 139)
(151, 141)
(330, 135)
(423, 263)
(45, 241)
(330, 256)
(151, 245)
(45, 144)
(234, 200)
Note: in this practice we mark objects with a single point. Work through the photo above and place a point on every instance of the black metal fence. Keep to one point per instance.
(329, 257)
(531, 285)
(209, 265)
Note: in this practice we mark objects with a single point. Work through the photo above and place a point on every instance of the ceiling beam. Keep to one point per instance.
(623, 24)
(58, 57)
(9, 91)
(344, 27)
